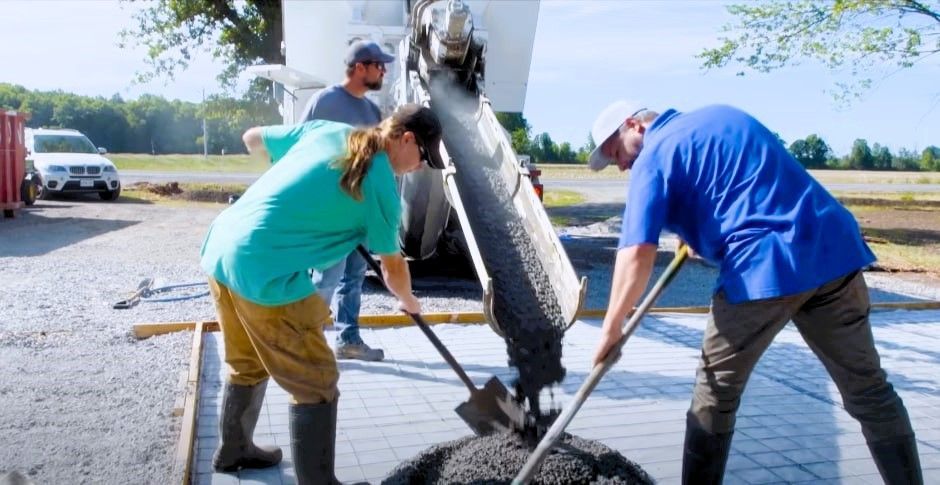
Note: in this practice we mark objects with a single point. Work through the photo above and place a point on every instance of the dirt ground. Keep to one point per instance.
(904, 234)
(173, 191)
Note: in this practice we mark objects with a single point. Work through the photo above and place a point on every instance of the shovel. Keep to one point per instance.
(143, 287)
(490, 409)
(558, 427)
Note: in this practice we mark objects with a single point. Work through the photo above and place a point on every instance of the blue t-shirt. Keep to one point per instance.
(726, 185)
(296, 216)
(336, 104)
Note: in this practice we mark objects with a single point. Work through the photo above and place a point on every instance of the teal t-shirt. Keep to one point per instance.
(296, 217)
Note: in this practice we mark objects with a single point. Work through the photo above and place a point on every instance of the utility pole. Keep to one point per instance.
(205, 134)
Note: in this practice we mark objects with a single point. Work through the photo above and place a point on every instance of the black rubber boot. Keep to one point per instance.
(313, 442)
(705, 455)
(241, 406)
(897, 461)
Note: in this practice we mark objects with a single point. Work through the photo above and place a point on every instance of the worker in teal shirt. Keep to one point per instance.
(786, 249)
(331, 187)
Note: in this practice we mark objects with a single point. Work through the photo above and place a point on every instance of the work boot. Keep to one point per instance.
(313, 442)
(897, 460)
(359, 351)
(241, 406)
(705, 454)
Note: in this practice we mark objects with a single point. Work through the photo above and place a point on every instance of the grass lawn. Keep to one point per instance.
(561, 198)
(188, 163)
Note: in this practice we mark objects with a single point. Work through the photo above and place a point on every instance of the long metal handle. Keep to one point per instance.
(423, 325)
(558, 427)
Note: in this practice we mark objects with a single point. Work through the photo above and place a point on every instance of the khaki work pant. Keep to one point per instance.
(833, 320)
(285, 342)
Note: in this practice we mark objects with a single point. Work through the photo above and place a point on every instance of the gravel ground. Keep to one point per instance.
(81, 401)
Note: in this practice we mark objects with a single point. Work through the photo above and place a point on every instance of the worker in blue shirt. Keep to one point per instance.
(786, 250)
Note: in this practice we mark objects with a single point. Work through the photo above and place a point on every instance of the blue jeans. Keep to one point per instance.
(341, 286)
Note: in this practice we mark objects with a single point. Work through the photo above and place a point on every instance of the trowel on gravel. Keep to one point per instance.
(490, 409)
(538, 456)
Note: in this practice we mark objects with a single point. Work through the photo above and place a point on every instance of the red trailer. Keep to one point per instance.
(12, 161)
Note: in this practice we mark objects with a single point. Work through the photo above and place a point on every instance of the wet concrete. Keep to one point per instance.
(525, 305)
(498, 458)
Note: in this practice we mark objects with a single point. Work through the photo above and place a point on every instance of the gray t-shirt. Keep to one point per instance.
(336, 104)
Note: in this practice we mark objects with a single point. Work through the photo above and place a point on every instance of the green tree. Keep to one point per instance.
(238, 33)
(565, 153)
(12, 96)
(544, 148)
(147, 117)
(855, 34)
(584, 153)
(906, 160)
(860, 158)
(228, 118)
(930, 159)
(520, 141)
(881, 157)
(40, 109)
(812, 152)
(518, 128)
(513, 121)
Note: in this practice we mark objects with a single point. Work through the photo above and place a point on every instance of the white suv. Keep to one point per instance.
(68, 162)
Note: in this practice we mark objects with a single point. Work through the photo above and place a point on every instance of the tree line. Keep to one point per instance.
(149, 124)
(152, 124)
(812, 152)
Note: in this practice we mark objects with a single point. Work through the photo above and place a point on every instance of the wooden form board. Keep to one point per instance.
(145, 330)
(184, 447)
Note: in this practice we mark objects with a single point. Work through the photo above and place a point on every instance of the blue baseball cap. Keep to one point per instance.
(362, 51)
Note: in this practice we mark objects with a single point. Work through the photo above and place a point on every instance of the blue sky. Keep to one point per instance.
(587, 53)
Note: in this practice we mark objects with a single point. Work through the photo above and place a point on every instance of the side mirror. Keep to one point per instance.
(102, 150)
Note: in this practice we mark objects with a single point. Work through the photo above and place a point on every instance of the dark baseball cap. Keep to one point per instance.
(362, 51)
(426, 127)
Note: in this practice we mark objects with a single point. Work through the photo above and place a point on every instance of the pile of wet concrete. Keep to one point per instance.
(498, 458)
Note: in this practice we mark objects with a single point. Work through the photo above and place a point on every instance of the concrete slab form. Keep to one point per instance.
(791, 426)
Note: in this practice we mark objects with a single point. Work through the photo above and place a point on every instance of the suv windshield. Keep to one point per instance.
(62, 144)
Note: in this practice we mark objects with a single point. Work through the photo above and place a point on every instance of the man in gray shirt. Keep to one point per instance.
(341, 285)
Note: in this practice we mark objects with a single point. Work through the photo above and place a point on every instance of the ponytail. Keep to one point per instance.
(361, 147)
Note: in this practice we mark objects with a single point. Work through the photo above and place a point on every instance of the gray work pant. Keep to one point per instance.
(833, 320)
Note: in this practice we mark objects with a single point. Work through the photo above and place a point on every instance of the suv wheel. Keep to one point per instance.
(110, 195)
(42, 193)
(29, 190)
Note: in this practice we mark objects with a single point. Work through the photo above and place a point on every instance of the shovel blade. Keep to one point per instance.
(491, 410)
